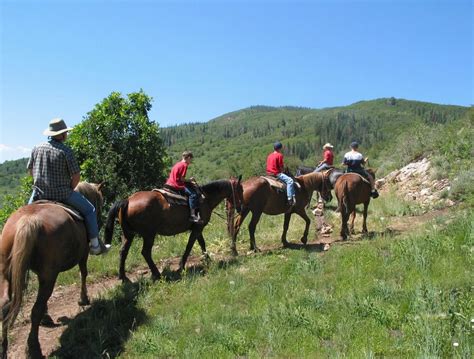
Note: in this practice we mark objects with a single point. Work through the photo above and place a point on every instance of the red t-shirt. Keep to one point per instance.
(328, 157)
(275, 163)
(177, 175)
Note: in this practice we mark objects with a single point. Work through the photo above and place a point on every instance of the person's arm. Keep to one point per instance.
(76, 177)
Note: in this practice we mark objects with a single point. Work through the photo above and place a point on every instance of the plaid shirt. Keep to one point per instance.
(53, 165)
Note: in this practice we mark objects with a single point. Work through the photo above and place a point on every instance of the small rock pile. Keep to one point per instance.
(414, 183)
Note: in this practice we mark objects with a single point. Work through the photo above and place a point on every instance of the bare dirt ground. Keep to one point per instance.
(63, 307)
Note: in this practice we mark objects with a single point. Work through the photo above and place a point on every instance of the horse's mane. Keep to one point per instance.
(215, 186)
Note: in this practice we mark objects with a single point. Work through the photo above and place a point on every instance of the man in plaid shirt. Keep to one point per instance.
(56, 173)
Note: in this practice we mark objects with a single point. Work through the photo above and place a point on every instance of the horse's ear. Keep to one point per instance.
(101, 185)
(239, 178)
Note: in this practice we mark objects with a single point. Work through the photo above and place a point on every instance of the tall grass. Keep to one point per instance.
(404, 296)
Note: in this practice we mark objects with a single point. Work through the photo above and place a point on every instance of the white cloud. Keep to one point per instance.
(8, 153)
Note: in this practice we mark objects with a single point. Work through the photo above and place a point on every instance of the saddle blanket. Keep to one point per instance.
(71, 210)
(172, 198)
(274, 182)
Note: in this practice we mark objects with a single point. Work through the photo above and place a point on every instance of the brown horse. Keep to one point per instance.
(149, 214)
(48, 240)
(351, 190)
(260, 197)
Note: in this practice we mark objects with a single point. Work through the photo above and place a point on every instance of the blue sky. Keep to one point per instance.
(201, 59)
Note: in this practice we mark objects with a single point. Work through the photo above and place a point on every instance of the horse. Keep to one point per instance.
(260, 197)
(351, 190)
(148, 213)
(48, 239)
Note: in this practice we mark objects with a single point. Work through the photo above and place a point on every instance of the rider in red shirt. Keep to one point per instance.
(176, 181)
(275, 168)
(328, 158)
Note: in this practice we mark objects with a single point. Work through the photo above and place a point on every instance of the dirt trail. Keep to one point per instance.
(63, 307)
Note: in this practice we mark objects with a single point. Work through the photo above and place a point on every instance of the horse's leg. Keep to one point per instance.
(364, 221)
(238, 223)
(148, 241)
(46, 286)
(252, 226)
(127, 239)
(351, 226)
(344, 219)
(83, 268)
(303, 215)
(202, 244)
(192, 238)
(5, 295)
(286, 224)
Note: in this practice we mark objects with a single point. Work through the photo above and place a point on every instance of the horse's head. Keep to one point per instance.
(93, 193)
(237, 197)
(326, 187)
(317, 181)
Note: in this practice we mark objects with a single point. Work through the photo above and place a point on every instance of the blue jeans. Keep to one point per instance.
(322, 167)
(290, 189)
(192, 197)
(79, 202)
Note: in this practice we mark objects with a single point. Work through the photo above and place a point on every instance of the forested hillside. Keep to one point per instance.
(238, 142)
(10, 174)
(391, 132)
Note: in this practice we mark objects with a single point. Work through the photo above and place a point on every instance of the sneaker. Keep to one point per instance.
(101, 248)
(374, 194)
(196, 219)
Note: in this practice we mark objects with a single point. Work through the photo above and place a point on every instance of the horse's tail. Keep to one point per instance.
(345, 195)
(119, 209)
(26, 236)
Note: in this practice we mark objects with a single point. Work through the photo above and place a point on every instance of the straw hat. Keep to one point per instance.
(56, 127)
(328, 145)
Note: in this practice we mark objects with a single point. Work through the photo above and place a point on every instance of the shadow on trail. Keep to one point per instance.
(103, 328)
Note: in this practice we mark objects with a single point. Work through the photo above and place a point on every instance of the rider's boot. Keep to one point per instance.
(194, 217)
(374, 193)
(98, 247)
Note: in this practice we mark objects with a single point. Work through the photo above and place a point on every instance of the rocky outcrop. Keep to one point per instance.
(414, 182)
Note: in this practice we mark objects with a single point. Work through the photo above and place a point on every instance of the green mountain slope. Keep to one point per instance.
(238, 142)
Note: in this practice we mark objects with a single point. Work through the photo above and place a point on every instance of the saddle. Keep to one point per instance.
(172, 197)
(276, 183)
(71, 210)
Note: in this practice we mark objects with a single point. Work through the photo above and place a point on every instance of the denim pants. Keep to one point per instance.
(192, 197)
(290, 189)
(79, 202)
(322, 167)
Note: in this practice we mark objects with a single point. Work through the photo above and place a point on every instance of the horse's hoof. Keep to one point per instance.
(47, 321)
(125, 279)
(234, 252)
(285, 244)
(155, 277)
(84, 302)
(304, 240)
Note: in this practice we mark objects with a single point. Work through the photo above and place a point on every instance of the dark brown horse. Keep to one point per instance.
(149, 214)
(48, 240)
(260, 197)
(351, 190)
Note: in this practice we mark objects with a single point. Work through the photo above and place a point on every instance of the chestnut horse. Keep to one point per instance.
(351, 190)
(149, 214)
(47, 239)
(260, 197)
